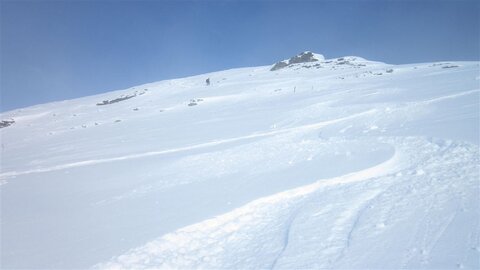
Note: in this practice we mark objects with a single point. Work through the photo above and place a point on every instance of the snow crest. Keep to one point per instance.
(325, 224)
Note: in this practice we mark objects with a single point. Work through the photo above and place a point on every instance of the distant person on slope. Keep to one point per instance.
(208, 81)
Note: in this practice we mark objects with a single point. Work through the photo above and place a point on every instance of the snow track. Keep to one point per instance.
(303, 128)
(274, 232)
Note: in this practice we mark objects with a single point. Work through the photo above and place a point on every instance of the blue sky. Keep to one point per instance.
(56, 50)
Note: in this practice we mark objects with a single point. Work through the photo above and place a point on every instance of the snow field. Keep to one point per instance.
(331, 166)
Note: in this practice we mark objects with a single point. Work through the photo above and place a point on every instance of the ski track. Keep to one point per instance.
(441, 98)
(184, 238)
(272, 219)
(288, 226)
(186, 148)
(356, 213)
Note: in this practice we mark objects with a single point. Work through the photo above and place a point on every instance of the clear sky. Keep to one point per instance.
(56, 50)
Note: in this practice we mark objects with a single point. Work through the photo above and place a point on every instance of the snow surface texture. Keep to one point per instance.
(339, 164)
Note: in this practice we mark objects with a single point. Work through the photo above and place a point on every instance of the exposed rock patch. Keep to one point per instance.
(304, 57)
(6, 123)
(121, 98)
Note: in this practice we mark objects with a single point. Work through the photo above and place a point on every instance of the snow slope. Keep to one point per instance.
(339, 163)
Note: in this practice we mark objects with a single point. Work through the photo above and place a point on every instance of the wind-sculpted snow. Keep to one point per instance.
(331, 164)
(182, 149)
(326, 224)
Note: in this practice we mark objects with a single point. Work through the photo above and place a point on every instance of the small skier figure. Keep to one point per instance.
(208, 81)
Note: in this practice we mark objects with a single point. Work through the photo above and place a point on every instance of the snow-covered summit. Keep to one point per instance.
(313, 60)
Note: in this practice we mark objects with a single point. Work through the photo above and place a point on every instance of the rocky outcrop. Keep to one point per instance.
(6, 123)
(106, 102)
(304, 57)
(122, 98)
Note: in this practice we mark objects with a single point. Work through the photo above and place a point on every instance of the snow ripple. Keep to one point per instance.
(318, 225)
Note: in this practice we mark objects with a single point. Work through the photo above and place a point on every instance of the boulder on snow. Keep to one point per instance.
(106, 102)
(122, 98)
(194, 102)
(6, 123)
(279, 65)
(304, 57)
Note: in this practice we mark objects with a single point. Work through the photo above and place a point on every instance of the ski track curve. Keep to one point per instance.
(288, 226)
(308, 127)
(173, 250)
(261, 233)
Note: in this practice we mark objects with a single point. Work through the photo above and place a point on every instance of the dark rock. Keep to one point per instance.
(279, 65)
(452, 66)
(122, 98)
(304, 57)
(6, 123)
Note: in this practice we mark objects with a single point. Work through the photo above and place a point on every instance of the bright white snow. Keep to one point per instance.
(338, 163)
